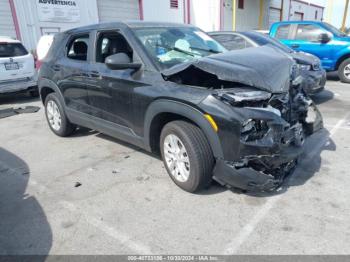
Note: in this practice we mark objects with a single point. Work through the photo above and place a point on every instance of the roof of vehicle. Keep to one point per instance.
(299, 22)
(8, 39)
(126, 24)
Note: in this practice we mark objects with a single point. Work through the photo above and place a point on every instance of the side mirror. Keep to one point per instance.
(121, 61)
(324, 38)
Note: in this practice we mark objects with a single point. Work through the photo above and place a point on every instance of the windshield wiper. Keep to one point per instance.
(182, 51)
(178, 50)
(206, 50)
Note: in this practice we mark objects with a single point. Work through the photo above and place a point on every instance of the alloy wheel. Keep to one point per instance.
(53, 115)
(347, 71)
(176, 158)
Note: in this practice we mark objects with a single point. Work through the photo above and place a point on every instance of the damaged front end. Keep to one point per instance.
(272, 136)
(263, 114)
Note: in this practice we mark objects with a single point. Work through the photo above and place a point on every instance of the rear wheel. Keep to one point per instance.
(187, 155)
(56, 117)
(344, 71)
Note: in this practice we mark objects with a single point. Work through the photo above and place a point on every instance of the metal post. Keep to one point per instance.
(261, 14)
(345, 15)
(234, 9)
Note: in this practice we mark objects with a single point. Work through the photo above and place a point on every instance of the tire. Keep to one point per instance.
(197, 153)
(343, 68)
(65, 128)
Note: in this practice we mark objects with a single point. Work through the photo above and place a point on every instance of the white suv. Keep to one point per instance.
(17, 68)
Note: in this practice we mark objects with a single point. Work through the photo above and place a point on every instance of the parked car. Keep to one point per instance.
(314, 76)
(172, 89)
(321, 39)
(17, 68)
(265, 32)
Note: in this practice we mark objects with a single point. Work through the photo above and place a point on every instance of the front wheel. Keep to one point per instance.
(344, 71)
(187, 155)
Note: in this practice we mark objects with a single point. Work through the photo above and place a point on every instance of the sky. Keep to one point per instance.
(338, 10)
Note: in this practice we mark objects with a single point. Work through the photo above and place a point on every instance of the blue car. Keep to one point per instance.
(321, 39)
(314, 77)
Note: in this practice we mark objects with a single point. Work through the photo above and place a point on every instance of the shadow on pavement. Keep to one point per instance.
(333, 76)
(17, 98)
(323, 97)
(24, 229)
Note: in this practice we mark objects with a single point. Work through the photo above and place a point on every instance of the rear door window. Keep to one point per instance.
(308, 32)
(78, 48)
(12, 50)
(282, 32)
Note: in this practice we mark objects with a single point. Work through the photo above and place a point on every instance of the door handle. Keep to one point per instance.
(94, 74)
(295, 46)
(56, 68)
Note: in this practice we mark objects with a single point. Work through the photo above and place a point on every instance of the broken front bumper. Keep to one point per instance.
(247, 178)
(264, 163)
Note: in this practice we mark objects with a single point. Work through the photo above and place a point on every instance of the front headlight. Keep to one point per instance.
(243, 98)
(248, 96)
(304, 67)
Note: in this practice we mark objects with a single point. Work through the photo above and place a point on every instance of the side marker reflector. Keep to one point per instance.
(212, 122)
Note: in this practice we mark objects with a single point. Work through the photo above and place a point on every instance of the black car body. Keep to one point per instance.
(314, 76)
(244, 123)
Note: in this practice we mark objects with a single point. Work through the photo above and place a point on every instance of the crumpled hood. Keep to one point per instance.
(261, 67)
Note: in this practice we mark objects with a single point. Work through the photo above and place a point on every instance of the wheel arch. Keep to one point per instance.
(164, 111)
(46, 87)
(341, 60)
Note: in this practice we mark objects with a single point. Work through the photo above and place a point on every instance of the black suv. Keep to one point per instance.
(239, 117)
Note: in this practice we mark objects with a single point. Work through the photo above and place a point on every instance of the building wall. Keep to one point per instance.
(247, 18)
(7, 27)
(114, 10)
(293, 9)
(205, 14)
(160, 10)
(275, 11)
(32, 28)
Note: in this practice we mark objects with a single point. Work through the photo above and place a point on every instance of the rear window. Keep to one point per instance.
(12, 50)
(282, 32)
(232, 42)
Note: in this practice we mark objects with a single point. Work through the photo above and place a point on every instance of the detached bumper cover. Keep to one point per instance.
(18, 84)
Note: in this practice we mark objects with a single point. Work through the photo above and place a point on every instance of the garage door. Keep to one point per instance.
(298, 16)
(114, 10)
(7, 27)
(274, 16)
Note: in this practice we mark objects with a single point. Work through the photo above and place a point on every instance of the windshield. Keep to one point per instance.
(262, 39)
(12, 50)
(173, 45)
(334, 30)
